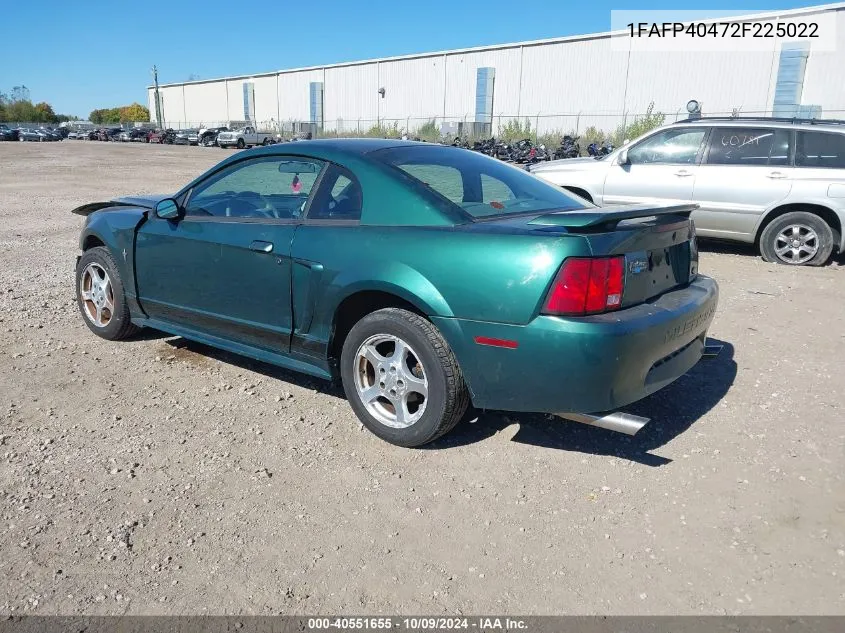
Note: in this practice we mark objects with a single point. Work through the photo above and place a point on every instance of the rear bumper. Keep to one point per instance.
(588, 364)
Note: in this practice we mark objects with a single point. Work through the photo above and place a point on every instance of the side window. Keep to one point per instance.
(494, 190)
(820, 149)
(445, 180)
(745, 146)
(271, 187)
(669, 147)
(781, 147)
(339, 197)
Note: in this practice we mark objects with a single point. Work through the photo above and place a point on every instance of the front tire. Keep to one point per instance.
(101, 297)
(798, 238)
(401, 378)
(241, 143)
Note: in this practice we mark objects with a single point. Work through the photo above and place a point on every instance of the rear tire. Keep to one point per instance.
(104, 308)
(798, 238)
(386, 390)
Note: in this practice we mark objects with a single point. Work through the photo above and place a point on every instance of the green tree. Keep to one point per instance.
(21, 111)
(134, 112)
(639, 126)
(44, 113)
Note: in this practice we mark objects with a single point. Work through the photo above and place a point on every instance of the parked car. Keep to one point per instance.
(244, 137)
(139, 135)
(50, 134)
(27, 134)
(208, 137)
(73, 135)
(318, 256)
(775, 183)
(186, 137)
(7, 133)
(162, 136)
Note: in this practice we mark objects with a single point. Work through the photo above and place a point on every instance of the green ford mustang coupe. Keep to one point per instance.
(425, 277)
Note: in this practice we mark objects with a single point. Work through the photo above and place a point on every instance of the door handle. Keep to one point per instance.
(683, 173)
(261, 247)
(776, 175)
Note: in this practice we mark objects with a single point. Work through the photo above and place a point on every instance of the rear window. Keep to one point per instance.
(820, 149)
(477, 184)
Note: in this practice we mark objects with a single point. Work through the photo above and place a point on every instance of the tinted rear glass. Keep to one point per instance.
(820, 149)
(479, 185)
(749, 146)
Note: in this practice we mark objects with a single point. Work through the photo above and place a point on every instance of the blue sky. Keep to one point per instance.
(95, 53)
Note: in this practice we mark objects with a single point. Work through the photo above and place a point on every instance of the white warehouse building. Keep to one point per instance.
(562, 84)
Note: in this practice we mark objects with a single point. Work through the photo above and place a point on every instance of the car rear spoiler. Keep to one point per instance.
(605, 219)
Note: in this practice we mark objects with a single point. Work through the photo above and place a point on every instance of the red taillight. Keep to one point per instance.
(587, 286)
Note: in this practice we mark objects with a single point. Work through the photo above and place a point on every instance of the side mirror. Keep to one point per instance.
(623, 157)
(167, 209)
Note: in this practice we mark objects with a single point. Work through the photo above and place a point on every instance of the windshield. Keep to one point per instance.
(479, 185)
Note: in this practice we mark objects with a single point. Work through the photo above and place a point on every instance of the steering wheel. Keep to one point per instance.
(265, 209)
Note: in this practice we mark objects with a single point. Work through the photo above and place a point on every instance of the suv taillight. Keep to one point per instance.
(587, 285)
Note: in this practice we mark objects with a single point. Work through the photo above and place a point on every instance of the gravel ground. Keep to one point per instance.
(160, 477)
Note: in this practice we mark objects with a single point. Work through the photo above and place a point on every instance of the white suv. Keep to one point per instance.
(777, 183)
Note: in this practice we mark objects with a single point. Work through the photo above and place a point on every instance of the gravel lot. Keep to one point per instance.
(161, 477)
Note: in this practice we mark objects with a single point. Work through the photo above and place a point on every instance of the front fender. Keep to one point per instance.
(115, 228)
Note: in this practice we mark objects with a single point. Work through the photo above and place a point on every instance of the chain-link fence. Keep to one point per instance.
(539, 127)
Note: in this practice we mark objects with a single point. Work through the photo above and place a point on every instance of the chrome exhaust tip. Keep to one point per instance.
(711, 351)
(626, 423)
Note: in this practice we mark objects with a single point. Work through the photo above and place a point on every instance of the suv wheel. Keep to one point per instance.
(401, 378)
(797, 239)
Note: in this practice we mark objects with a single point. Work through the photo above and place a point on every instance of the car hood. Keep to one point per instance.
(574, 164)
(143, 202)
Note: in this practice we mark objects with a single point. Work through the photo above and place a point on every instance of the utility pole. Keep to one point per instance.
(157, 98)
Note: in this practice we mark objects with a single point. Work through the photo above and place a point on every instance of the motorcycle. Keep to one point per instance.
(595, 150)
(569, 148)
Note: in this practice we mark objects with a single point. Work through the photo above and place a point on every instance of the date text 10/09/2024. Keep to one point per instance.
(724, 29)
(417, 624)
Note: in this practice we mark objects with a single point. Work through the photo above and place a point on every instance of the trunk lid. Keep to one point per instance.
(657, 241)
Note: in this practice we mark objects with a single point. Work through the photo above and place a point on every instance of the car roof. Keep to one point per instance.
(797, 124)
(348, 146)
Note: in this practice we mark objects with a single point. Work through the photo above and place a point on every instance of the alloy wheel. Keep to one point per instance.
(390, 381)
(796, 244)
(97, 295)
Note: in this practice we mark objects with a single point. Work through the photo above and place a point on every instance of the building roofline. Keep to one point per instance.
(821, 8)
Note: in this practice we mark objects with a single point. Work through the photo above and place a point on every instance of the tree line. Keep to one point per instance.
(121, 114)
(24, 110)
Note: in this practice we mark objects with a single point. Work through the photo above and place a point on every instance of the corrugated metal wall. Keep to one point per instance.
(293, 94)
(350, 93)
(553, 86)
(823, 81)
(207, 101)
(422, 98)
